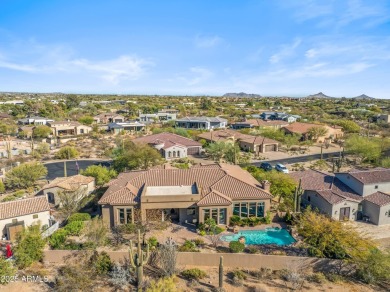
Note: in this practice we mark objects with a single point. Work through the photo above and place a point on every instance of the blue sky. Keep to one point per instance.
(272, 47)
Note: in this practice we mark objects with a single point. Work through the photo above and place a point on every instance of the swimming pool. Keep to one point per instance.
(267, 236)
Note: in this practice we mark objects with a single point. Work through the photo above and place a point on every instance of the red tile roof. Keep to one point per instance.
(372, 176)
(315, 180)
(227, 134)
(168, 139)
(69, 183)
(378, 198)
(24, 207)
(301, 128)
(226, 181)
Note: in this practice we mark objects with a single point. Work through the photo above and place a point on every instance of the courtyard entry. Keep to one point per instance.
(344, 213)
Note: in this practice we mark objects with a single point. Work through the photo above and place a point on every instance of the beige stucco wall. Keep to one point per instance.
(352, 211)
(182, 152)
(251, 261)
(43, 218)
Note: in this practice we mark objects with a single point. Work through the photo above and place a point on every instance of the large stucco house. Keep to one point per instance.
(354, 195)
(303, 130)
(16, 215)
(185, 195)
(250, 143)
(205, 123)
(171, 146)
(68, 128)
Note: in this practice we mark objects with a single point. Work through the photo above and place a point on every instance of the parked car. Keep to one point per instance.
(266, 166)
(281, 168)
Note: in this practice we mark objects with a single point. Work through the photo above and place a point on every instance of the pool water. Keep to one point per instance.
(267, 236)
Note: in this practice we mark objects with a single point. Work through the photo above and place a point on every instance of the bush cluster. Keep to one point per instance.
(236, 246)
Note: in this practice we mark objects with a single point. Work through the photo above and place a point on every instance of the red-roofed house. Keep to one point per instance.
(171, 146)
(303, 129)
(186, 195)
(353, 195)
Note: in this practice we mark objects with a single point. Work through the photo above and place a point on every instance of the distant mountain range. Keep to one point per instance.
(322, 95)
(314, 96)
(242, 95)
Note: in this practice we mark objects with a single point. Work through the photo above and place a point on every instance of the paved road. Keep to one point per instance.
(299, 159)
(56, 169)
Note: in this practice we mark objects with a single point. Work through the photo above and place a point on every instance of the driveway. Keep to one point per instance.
(381, 234)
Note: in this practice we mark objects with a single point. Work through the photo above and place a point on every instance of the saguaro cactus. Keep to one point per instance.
(220, 286)
(139, 259)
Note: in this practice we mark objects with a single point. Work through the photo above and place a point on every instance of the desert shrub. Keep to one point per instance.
(318, 278)
(188, 246)
(335, 278)
(374, 269)
(202, 232)
(7, 271)
(199, 241)
(163, 284)
(195, 273)
(253, 249)
(120, 276)
(101, 262)
(58, 238)
(267, 218)
(236, 246)
(262, 273)
(239, 274)
(153, 242)
(74, 227)
(29, 246)
(79, 217)
(235, 220)
(218, 230)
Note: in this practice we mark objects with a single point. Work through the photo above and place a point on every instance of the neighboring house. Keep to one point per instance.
(384, 118)
(192, 195)
(67, 128)
(255, 144)
(260, 124)
(4, 116)
(303, 130)
(354, 195)
(25, 131)
(282, 116)
(160, 116)
(84, 185)
(106, 118)
(16, 215)
(14, 102)
(34, 121)
(171, 146)
(206, 123)
(131, 126)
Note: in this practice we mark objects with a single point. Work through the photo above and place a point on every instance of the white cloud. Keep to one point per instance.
(48, 59)
(195, 76)
(285, 51)
(207, 41)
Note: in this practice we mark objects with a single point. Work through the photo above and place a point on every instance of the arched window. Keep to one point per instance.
(174, 153)
(169, 153)
(178, 153)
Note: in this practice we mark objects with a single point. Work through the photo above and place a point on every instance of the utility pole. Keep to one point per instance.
(322, 145)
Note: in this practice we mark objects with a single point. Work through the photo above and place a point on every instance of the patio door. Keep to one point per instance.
(344, 213)
(222, 216)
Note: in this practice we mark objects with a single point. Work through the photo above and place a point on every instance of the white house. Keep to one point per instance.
(15, 215)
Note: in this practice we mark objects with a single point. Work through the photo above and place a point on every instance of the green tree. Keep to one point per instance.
(206, 104)
(86, 120)
(29, 246)
(72, 101)
(332, 239)
(368, 150)
(101, 174)
(136, 156)
(348, 126)
(7, 271)
(25, 175)
(2, 187)
(43, 148)
(41, 131)
(317, 131)
(67, 152)
(216, 150)
(291, 140)
(70, 201)
(7, 128)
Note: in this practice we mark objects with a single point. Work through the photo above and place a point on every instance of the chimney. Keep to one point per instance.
(266, 185)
